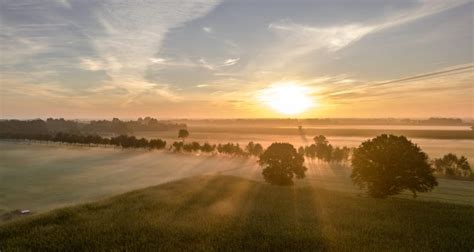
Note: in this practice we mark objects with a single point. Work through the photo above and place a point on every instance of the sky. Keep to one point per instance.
(236, 59)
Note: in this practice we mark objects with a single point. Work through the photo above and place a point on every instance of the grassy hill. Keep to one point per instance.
(209, 213)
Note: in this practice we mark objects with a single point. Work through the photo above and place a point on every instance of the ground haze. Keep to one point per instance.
(216, 213)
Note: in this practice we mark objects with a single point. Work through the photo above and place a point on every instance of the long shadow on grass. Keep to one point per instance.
(272, 218)
(247, 215)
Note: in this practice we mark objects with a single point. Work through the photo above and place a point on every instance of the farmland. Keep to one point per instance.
(41, 177)
(223, 213)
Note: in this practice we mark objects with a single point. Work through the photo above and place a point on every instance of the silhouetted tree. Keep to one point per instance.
(337, 155)
(157, 144)
(320, 140)
(230, 149)
(388, 164)
(451, 165)
(190, 147)
(254, 149)
(281, 163)
(178, 146)
(208, 148)
(301, 151)
(183, 133)
(310, 151)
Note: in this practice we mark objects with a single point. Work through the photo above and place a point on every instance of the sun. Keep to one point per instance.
(288, 98)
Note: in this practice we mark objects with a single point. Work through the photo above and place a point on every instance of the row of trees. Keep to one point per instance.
(232, 149)
(324, 151)
(114, 126)
(452, 165)
(123, 141)
(385, 165)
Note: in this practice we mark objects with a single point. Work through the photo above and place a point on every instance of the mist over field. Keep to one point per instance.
(235, 125)
(40, 176)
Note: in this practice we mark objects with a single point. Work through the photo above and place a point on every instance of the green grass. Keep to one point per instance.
(214, 213)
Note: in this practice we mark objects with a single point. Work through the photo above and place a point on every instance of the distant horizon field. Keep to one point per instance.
(434, 147)
(42, 177)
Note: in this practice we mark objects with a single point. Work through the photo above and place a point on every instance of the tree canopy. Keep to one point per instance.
(452, 165)
(281, 163)
(183, 133)
(388, 164)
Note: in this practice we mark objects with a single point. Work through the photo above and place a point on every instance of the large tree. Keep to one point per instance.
(386, 165)
(281, 163)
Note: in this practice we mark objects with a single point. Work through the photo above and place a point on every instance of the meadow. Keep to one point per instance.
(191, 201)
(228, 213)
(42, 177)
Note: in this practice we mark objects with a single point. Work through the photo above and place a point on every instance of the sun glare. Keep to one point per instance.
(288, 98)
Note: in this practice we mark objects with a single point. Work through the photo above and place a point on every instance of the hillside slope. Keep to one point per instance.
(209, 213)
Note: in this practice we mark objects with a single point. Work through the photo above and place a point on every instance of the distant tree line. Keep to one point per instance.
(123, 141)
(115, 126)
(230, 149)
(288, 122)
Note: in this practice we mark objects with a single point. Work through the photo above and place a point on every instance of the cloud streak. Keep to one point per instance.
(304, 39)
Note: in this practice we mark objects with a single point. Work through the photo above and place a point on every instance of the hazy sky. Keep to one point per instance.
(176, 59)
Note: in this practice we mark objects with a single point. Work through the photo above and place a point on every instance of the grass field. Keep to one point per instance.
(42, 177)
(216, 213)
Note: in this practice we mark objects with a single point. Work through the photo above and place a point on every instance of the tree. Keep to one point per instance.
(388, 164)
(337, 155)
(281, 163)
(177, 146)
(206, 147)
(157, 144)
(451, 165)
(254, 149)
(320, 140)
(321, 148)
(301, 151)
(183, 133)
(324, 151)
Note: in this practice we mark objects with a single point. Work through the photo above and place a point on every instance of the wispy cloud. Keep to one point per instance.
(134, 33)
(452, 79)
(230, 62)
(119, 38)
(306, 38)
(207, 29)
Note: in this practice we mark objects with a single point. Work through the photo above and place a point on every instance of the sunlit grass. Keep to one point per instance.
(41, 177)
(215, 213)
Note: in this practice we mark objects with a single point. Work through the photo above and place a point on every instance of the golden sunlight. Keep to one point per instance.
(288, 98)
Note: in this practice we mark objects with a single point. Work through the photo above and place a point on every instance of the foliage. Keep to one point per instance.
(322, 140)
(254, 149)
(388, 164)
(324, 151)
(183, 133)
(123, 141)
(231, 149)
(452, 165)
(281, 163)
(225, 213)
(53, 126)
